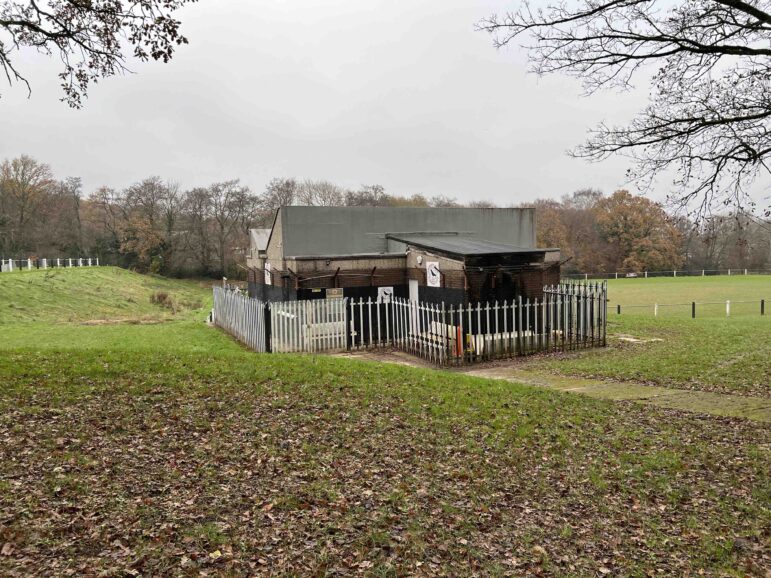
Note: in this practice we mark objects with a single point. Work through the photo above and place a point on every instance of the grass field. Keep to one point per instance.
(167, 449)
(711, 352)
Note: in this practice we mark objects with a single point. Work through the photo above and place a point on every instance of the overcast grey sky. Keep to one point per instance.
(400, 93)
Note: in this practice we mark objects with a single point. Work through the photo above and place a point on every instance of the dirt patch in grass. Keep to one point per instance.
(140, 321)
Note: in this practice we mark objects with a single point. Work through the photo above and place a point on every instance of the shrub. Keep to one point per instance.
(164, 300)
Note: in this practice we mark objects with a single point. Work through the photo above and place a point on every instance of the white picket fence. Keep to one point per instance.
(10, 265)
(569, 316)
(240, 316)
(308, 326)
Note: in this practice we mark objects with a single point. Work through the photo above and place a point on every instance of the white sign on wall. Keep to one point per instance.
(433, 277)
(268, 279)
(384, 294)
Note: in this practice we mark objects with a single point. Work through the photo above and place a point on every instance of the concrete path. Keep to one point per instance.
(722, 404)
(719, 404)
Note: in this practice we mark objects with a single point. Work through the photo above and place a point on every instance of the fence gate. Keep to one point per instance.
(309, 326)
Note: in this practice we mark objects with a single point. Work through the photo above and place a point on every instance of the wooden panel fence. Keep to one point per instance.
(569, 316)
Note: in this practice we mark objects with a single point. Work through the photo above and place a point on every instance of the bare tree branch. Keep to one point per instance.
(709, 119)
(88, 36)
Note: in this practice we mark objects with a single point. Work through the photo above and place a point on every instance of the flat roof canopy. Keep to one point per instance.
(463, 245)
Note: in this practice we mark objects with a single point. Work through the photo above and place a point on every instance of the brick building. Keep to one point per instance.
(455, 255)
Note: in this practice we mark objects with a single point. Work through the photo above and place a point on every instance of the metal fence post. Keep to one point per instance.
(693, 309)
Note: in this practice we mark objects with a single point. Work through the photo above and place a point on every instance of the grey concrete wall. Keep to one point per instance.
(351, 230)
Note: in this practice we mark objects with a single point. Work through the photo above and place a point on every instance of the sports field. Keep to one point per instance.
(136, 440)
(711, 352)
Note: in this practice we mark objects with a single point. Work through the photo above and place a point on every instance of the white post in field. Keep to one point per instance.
(80, 261)
(646, 274)
(702, 272)
(10, 264)
(745, 271)
(89, 261)
(70, 260)
(97, 261)
(29, 264)
(675, 273)
(44, 263)
(729, 272)
(58, 262)
(727, 308)
(586, 276)
(616, 275)
(655, 309)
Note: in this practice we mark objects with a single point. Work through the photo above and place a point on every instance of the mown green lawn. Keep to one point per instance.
(167, 449)
(712, 352)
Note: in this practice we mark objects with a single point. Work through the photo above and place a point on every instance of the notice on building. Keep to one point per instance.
(268, 276)
(384, 294)
(335, 293)
(433, 276)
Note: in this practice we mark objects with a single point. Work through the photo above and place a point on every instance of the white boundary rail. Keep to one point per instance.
(569, 316)
(10, 265)
(653, 274)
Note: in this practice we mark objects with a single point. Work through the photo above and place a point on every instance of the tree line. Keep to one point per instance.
(155, 226)
(623, 232)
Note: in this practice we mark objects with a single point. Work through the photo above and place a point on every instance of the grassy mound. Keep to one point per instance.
(95, 294)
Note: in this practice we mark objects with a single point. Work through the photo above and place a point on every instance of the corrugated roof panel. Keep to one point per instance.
(462, 245)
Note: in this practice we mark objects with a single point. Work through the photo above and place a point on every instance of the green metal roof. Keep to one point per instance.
(462, 245)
